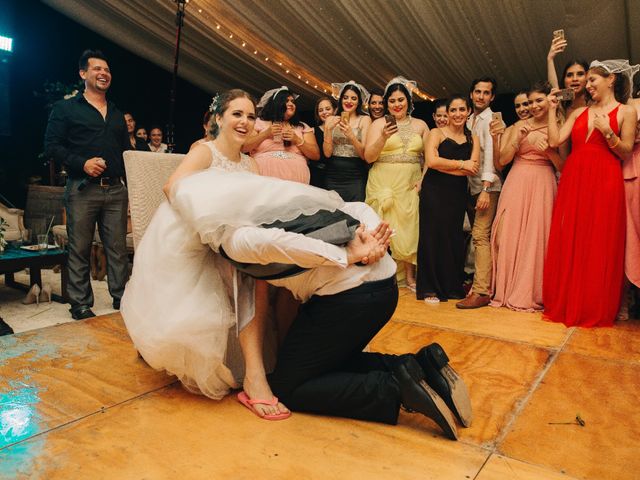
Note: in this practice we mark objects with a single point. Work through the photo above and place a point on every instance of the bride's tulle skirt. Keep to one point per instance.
(177, 309)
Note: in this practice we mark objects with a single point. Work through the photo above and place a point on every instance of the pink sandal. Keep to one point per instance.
(244, 399)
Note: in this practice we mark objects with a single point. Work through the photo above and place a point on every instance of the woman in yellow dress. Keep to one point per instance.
(395, 148)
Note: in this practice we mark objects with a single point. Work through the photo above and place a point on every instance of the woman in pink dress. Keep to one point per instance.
(584, 267)
(521, 227)
(631, 174)
(281, 144)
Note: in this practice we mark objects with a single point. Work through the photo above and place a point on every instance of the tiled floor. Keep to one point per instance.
(77, 403)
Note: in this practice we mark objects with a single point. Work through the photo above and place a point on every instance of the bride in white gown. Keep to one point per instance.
(188, 312)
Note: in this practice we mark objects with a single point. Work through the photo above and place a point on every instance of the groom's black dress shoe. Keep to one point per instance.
(81, 313)
(417, 396)
(445, 381)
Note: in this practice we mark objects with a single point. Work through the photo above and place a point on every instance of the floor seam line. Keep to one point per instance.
(102, 410)
(525, 400)
(476, 334)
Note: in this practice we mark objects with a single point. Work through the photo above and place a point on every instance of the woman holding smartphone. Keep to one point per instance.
(523, 217)
(281, 143)
(452, 153)
(343, 145)
(574, 75)
(395, 147)
(584, 266)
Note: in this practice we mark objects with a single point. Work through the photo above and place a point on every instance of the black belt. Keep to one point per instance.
(106, 181)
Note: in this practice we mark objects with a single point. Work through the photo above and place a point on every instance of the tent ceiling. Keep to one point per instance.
(442, 45)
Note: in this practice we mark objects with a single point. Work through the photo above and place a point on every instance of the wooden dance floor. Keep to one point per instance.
(77, 403)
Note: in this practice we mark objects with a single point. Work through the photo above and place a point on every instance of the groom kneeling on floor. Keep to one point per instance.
(349, 293)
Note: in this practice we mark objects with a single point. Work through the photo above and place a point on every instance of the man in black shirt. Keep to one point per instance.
(88, 134)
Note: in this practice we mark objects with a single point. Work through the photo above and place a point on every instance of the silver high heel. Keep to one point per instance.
(33, 295)
(45, 293)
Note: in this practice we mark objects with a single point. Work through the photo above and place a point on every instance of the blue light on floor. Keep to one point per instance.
(18, 415)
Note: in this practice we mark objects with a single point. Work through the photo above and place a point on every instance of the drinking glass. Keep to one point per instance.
(43, 244)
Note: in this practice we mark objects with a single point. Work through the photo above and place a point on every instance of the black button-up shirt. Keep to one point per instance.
(77, 132)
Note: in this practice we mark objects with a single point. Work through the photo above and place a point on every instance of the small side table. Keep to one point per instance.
(16, 259)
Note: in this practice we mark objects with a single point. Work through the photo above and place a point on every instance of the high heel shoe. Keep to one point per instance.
(33, 295)
(45, 293)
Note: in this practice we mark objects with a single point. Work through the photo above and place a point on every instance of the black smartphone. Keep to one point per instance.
(390, 119)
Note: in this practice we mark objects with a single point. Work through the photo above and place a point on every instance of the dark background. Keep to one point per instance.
(46, 48)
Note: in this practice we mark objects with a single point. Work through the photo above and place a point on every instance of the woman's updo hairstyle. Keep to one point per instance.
(220, 104)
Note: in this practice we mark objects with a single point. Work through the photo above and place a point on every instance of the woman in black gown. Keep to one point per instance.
(452, 154)
(325, 108)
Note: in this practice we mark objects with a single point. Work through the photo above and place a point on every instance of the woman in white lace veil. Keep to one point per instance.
(187, 311)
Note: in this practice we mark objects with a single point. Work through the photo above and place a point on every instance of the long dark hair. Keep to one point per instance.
(467, 102)
(276, 106)
(221, 103)
(353, 88)
(583, 63)
(394, 88)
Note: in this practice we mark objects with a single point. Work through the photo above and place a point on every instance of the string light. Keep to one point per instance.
(324, 86)
(233, 34)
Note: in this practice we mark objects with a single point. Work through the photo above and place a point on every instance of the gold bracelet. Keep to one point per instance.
(615, 144)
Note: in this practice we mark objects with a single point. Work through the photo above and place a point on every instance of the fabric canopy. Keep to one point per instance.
(257, 45)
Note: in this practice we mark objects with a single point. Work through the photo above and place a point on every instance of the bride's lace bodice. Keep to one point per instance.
(223, 163)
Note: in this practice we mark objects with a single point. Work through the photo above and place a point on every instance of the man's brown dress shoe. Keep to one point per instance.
(474, 301)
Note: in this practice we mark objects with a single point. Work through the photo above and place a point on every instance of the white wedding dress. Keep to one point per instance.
(184, 303)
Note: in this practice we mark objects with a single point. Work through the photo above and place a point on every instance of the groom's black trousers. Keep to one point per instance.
(321, 367)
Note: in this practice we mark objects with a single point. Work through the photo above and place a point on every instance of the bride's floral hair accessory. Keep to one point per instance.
(215, 101)
(220, 103)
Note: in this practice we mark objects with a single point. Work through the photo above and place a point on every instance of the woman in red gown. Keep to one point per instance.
(584, 267)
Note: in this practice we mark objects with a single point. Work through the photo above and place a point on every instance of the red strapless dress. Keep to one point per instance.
(584, 266)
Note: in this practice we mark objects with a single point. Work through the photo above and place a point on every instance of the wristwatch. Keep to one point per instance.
(485, 189)
(609, 135)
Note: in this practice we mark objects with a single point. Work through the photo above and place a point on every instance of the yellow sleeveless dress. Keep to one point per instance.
(391, 192)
